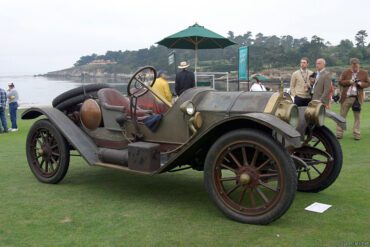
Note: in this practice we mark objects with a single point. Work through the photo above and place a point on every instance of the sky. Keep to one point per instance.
(38, 36)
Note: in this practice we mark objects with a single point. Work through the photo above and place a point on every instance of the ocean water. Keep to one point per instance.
(40, 91)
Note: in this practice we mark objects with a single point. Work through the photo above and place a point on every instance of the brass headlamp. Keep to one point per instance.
(288, 112)
(315, 113)
(196, 120)
(188, 108)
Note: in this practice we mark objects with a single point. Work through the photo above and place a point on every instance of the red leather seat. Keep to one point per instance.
(112, 99)
(149, 102)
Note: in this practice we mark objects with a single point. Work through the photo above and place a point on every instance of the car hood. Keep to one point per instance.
(232, 102)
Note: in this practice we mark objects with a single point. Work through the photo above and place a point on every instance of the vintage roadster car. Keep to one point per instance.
(255, 148)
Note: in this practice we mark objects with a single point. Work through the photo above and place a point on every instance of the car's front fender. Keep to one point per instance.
(341, 121)
(285, 133)
(302, 128)
(279, 126)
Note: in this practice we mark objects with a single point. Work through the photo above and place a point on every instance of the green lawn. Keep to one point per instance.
(101, 207)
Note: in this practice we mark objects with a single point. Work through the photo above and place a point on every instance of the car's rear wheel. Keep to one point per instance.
(250, 177)
(47, 152)
(318, 161)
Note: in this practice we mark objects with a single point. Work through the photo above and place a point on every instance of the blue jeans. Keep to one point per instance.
(3, 120)
(13, 114)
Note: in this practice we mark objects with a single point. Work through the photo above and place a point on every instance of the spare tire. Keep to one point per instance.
(76, 100)
(78, 91)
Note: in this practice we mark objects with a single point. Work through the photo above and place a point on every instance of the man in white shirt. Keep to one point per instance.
(257, 85)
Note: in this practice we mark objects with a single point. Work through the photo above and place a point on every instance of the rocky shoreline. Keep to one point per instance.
(87, 71)
(113, 72)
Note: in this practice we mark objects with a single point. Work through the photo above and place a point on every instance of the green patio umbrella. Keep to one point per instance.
(195, 37)
(259, 77)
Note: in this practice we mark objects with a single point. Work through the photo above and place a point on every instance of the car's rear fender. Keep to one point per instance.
(285, 133)
(74, 135)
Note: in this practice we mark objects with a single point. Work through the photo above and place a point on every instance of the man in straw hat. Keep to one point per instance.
(185, 79)
(352, 82)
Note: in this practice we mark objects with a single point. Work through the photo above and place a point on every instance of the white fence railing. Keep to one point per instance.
(367, 95)
(212, 77)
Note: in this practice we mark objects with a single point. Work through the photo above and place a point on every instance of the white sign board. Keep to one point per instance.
(318, 207)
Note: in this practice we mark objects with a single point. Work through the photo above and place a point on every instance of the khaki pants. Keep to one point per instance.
(344, 108)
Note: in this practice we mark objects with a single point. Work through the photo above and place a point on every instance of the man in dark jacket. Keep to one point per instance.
(184, 79)
(3, 122)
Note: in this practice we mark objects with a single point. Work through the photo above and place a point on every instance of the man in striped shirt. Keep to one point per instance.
(3, 121)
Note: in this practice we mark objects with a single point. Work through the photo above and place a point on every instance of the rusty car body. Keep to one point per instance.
(255, 148)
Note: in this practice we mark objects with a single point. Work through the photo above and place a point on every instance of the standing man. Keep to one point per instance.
(300, 84)
(184, 79)
(2, 111)
(352, 82)
(13, 105)
(321, 87)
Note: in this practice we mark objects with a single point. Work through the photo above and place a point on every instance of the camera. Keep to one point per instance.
(356, 80)
(336, 97)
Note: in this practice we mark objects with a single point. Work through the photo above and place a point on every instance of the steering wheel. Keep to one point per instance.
(141, 80)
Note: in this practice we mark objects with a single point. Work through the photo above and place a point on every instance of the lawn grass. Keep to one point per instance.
(95, 206)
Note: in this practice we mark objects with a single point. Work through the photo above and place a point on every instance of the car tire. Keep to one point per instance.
(78, 91)
(226, 156)
(47, 152)
(331, 171)
(64, 105)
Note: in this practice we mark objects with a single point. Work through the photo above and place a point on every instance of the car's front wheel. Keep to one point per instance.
(318, 161)
(47, 152)
(250, 177)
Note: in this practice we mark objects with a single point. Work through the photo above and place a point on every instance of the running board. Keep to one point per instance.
(124, 168)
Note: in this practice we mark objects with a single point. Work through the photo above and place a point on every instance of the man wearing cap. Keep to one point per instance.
(352, 82)
(185, 79)
(13, 106)
(2, 111)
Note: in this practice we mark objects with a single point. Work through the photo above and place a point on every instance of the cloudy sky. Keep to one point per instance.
(37, 36)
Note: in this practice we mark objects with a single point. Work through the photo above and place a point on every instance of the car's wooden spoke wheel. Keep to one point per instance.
(250, 177)
(319, 161)
(47, 152)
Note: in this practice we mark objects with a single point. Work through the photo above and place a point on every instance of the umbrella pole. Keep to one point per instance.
(196, 60)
